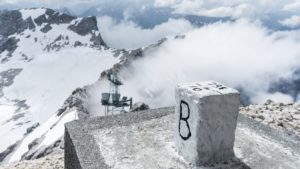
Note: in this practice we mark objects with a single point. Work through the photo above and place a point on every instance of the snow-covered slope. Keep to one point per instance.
(44, 56)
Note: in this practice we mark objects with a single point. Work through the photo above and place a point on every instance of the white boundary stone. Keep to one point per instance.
(206, 118)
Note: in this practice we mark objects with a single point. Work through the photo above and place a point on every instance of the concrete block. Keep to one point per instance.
(206, 118)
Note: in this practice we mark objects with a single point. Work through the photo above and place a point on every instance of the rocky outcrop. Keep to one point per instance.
(86, 26)
(11, 22)
(277, 115)
(81, 26)
(8, 44)
(7, 78)
(46, 28)
(76, 100)
(9, 150)
(53, 17)
(55, 161)
(139, 106)
(60, 42)
(127, 57)
(30, 129)
(97, 40)
(58, 146)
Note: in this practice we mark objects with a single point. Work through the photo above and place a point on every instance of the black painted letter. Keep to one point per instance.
(185, 119)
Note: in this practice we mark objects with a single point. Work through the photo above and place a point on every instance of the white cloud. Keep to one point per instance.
(276, 97)
(236, 11)
(164, 3)
(233, 8)
(292, 22)
(240, 54)
(129, 35)
(292, 6)
(254, 9)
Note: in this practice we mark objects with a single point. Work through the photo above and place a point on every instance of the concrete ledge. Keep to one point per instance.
(82, 150)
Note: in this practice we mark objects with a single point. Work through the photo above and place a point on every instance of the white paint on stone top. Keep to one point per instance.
(207, 88)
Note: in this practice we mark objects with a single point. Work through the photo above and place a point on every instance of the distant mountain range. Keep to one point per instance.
(151, 17)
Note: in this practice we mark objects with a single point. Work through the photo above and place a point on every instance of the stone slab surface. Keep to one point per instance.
(146, 140)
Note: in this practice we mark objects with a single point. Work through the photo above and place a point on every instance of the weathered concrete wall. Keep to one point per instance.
(206, 118)
(71, 159)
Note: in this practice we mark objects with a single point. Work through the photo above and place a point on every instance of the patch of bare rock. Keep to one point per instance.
(53, 161)
(277, 115)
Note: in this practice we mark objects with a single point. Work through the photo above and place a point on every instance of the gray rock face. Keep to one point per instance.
(44, 151)
(11, 22)
(30, 23)
(9, 150)
(30, 129)
(81, 26)
(206, 118)
(76, 100)
(46, 28)
(9, 44)
(7, 78)
(139, 106)
(53, 17)
(86, 26)
(77, 43)
(97, 40)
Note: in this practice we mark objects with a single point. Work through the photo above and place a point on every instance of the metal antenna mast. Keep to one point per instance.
(112, 100)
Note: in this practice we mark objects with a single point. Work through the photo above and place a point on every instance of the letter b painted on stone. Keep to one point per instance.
(184, 127)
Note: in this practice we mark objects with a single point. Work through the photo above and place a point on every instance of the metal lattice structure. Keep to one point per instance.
(112, 100)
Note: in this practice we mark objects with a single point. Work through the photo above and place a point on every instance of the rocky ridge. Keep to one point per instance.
(128, 57)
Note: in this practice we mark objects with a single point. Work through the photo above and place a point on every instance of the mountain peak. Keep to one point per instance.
(46, 29)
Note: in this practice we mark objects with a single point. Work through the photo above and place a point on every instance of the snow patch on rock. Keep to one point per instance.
(33, 13)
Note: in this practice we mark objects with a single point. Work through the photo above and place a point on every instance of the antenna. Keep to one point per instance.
(112, 100)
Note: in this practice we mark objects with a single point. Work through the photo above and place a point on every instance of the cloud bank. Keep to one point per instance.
(292, 22)
(233, 8)
(240, 54)
(128, 35)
